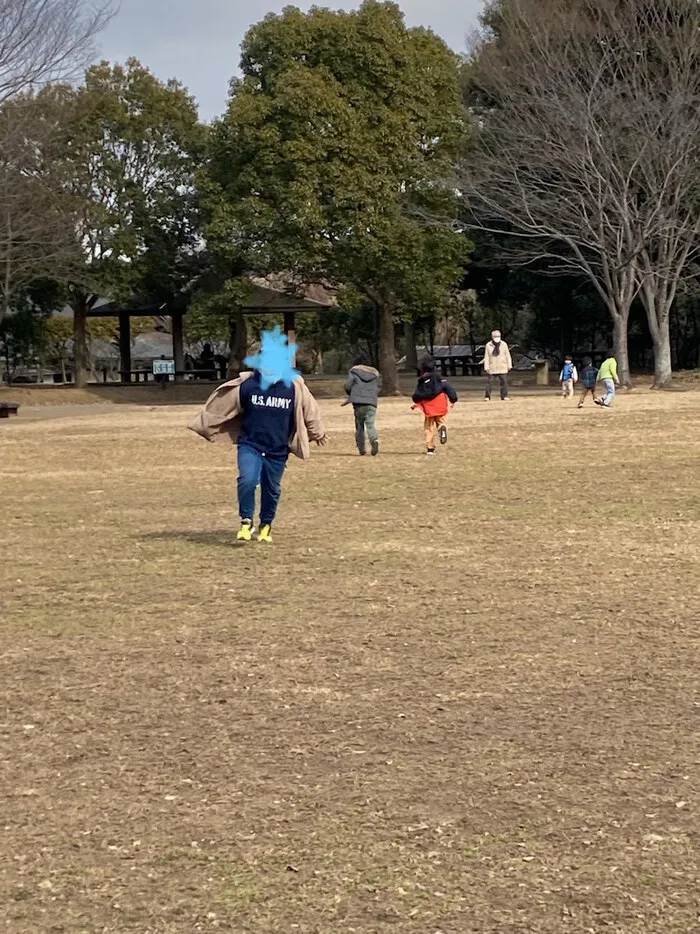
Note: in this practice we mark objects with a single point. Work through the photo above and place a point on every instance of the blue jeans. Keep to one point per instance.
(609, 385)
(365, 416)
(255, 469)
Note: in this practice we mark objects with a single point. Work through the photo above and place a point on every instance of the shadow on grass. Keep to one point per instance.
(220, 538)
(354, 454)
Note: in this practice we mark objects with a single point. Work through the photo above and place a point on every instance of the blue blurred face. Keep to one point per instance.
(274, 363)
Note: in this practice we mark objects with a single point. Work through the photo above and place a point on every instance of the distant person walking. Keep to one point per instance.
(497, 363)
(609, 378)
(568, 377)
(362, 388)
(434, 397)
(589, 377)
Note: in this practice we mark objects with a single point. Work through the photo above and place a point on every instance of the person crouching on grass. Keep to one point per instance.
(266, 424)
(434, 397)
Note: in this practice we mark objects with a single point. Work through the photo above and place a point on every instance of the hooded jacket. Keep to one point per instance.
(362, 385)
(221, 416)
(433, 395)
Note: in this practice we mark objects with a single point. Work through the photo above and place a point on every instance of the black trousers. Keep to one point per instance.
(503, 379)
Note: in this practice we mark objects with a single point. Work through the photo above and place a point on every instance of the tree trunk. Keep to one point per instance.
(238, 344)
(80, 351)
(620, 324)
(657, 304)
(387, 351)
(663, 370)
(410, 349)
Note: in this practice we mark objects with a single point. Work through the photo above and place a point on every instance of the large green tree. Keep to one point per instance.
(132, 162)
(335, 159)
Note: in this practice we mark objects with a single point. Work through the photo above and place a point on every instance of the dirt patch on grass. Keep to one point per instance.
(456, 695)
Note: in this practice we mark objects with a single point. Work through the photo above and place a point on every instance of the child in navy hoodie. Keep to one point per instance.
(434, 397)
(589, 375)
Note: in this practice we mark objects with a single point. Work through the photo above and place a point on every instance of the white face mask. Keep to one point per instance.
(497, 340)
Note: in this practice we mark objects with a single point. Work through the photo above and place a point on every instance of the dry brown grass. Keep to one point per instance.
(457, 695)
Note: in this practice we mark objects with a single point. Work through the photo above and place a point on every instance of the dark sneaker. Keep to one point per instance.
(443, 434)
(375, 448)
(431, 452)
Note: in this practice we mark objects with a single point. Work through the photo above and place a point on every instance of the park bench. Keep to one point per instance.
(8, 408)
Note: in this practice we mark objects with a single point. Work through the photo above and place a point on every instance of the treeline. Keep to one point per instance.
(545, 182)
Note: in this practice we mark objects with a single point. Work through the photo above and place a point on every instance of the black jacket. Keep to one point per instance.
(429, 387)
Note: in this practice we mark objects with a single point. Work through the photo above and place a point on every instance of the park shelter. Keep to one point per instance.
(272, 295)
(280, 295)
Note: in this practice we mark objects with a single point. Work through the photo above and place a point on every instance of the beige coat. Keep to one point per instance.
(220, 418)
(499, 364)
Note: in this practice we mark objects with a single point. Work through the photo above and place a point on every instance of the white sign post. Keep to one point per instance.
(164, 368)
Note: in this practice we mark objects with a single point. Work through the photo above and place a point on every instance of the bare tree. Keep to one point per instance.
(44, 41)
(37, 214)
(41, 41)
(586, 148)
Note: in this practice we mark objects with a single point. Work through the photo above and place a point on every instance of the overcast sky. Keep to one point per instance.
(198, 41)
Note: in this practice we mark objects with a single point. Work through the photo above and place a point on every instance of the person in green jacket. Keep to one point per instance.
(609, 378)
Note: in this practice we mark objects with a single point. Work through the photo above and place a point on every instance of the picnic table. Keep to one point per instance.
(467, 364)
(8, 408)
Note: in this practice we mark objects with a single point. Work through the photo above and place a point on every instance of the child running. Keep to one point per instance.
(568, 377)
(434, 397)
(267, 423)
(609, 378)
(362, 388)
(589, 376)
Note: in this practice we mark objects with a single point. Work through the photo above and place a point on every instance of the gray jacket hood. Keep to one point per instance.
(365, 373)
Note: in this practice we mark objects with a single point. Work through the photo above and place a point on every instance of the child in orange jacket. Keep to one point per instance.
(434, 397)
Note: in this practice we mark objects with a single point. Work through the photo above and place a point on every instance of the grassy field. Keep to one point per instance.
(457, 695)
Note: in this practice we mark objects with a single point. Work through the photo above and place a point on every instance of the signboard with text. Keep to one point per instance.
(163, 367)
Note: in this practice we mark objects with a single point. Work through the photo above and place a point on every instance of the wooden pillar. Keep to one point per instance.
(125, 347)
(238, 343)
(178, 348)
(290, 328)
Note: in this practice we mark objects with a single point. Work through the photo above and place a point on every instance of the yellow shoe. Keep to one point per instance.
(265, 534)
(245, 533)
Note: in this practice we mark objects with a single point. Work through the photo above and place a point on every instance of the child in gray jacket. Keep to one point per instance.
(362, 388)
